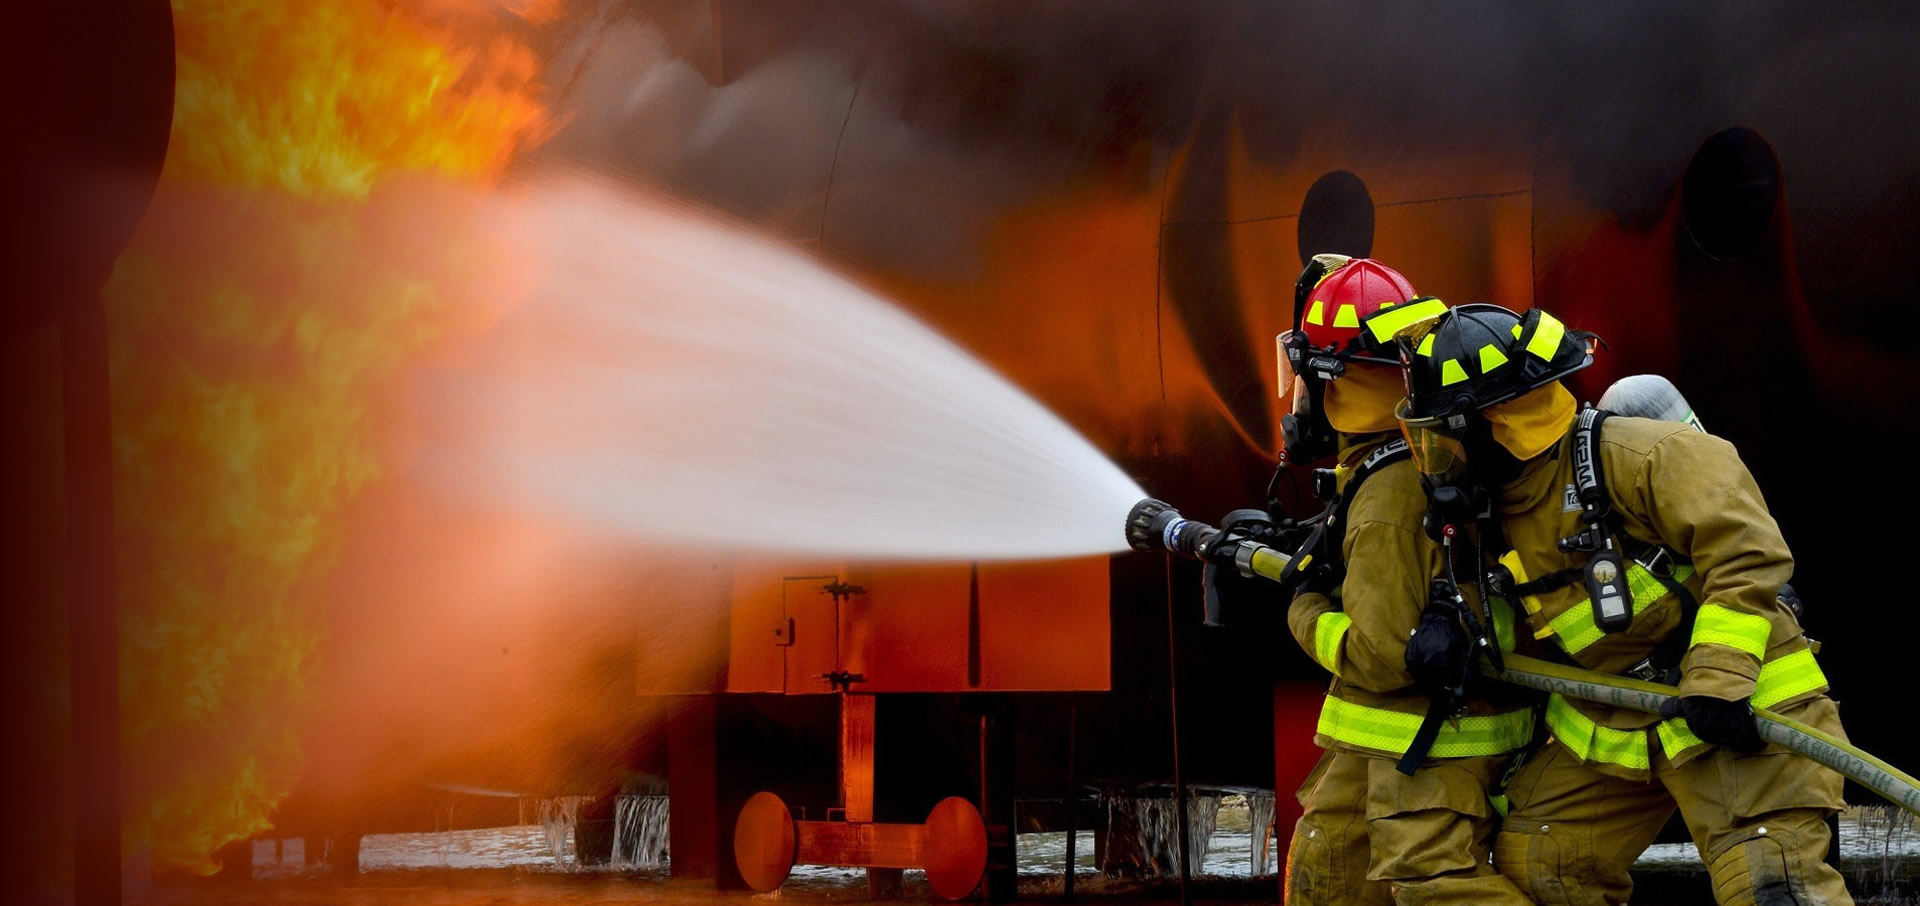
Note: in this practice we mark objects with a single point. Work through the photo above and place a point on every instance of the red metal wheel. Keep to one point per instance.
(764, 842)
(956, 850)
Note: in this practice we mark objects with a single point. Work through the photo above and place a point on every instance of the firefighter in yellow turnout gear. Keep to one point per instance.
(1659, 561)
(1370, 834)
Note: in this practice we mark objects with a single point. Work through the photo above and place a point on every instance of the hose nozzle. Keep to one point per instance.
(1154, 525)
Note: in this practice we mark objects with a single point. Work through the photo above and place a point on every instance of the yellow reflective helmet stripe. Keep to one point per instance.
(1717, 625)
(1386, 324)
(1490, 358)
(1451, 373)
(1546, 337)
(1392, 731)
(1789, 676)
(1591, 742)
(1317, 313)
(1426, 346)
(1575, 625)
(1345, 316)
(1328, 631)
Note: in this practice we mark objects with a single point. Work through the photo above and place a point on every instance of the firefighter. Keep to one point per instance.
(1371, 834)
(1641, 548)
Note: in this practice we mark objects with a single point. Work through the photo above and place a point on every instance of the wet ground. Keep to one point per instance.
(1880, 854)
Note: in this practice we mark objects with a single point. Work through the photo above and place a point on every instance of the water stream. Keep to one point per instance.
(681, 381)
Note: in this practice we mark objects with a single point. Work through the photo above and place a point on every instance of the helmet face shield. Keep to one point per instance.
(1285, 347)
(1438, 445)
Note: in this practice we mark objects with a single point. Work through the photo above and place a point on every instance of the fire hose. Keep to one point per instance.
(1154, 525)
(1863, 767)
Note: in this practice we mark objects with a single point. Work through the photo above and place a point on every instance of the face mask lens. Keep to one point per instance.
(1437, 452)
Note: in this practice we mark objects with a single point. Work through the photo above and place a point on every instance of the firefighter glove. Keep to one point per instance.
(1439, 650)
(1720, 722)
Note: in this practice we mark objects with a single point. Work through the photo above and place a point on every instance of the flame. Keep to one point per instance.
(300, 250)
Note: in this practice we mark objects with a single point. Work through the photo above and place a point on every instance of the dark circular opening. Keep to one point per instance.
(1729, 192)
(1336, 217)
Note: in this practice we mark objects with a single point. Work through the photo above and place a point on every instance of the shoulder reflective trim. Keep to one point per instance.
(1502, 623)
(1575, 625)
(1392, 731)
(1345, 316)
(1317, 313)
(1384, 325)
(1592, 742)
(1717, 625)
(1676, 737)
(1788, 677)
(1329, 630)
(1491, 358)
(1451, 373)
(1546, 337)
(1426, 345)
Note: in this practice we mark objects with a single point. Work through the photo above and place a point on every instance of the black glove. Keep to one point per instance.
(1439, 650)
(1719, 722)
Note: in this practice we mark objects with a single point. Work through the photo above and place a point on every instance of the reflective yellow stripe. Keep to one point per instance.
(1451, 373)
(1787, 677)
(1317, 313)
(1676, 737)
(1490, 358)
(1546, 337)
(1393, 731)
(1592, 742)
(1503, 624)
(1716, 625)
(1426, 345)
(1345, 316)
(1575, 625)
(1328, 631)
(1384, 325)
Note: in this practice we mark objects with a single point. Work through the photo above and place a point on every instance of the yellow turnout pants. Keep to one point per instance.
(1758, 820)
(1372, 836)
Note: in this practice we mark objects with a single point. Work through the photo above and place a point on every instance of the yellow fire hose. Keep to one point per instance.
(1896, 785)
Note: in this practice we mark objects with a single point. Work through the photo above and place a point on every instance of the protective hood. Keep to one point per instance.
(1532, 423)
(1362, 401)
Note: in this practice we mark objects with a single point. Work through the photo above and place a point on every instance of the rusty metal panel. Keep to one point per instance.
(813, 649)
(875, 845)
(756, 655)
(921, 628)
(1045, 626)
(909, 631)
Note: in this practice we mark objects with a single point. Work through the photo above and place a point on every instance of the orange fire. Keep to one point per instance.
(301, 248)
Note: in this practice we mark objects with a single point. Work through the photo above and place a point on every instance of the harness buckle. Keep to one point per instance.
(1648, 671)
(1660, 562)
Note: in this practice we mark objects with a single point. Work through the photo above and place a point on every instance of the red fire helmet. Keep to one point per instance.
(1345, 297)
